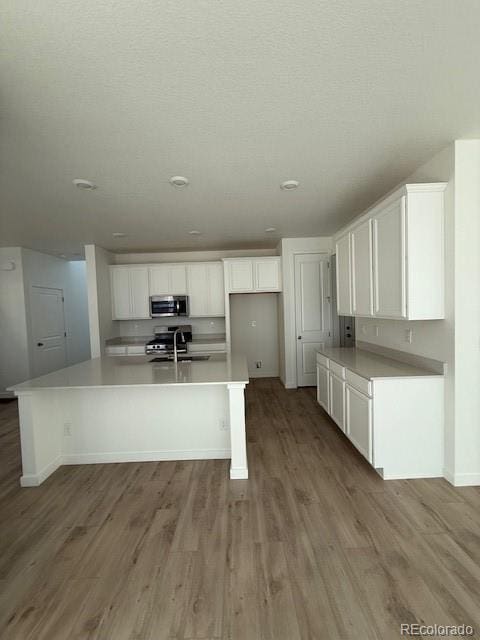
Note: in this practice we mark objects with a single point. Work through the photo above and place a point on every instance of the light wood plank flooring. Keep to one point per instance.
(314, 546)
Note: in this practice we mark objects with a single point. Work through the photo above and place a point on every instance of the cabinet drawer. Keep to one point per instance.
(323, 360)
(136, 350)
(337, 369)
(116, 350)
(357, 382)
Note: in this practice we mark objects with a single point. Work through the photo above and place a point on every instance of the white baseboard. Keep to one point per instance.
(462, 479)
(145, 456)
(290, 385)
(7, 395)
(238, 473)
(33, 480)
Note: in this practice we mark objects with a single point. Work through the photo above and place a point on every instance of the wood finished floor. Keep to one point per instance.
(314, 546)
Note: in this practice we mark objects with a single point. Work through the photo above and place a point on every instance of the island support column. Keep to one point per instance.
(238, 438)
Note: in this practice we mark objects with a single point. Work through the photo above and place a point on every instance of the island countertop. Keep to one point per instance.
(130, 371)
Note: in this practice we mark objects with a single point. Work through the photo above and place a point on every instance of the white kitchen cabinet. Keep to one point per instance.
(390, 261)
(267, 274)
(240, 275)
(206, 290)
(358, 421)
(168, 279)
(253, 275)
(343, 250)
(322, 387)
(389, 255)
(362, 269)
(216, 289)
(337, 399)
(395, 422)
(129, 289)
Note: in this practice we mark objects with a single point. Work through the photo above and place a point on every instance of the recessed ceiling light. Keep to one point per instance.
(119, 234)
(288, 185)
(194, 232)
(85, 185)
(270, 229)
(179, 181)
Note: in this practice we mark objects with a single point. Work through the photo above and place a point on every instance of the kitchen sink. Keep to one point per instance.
(181, 358)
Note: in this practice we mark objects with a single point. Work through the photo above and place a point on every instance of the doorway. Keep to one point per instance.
(47, 321)
(312, 313)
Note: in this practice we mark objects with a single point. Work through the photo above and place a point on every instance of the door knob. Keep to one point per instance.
(299, 337)
(39, 344)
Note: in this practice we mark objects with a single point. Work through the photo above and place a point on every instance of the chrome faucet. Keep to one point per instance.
(175, 354)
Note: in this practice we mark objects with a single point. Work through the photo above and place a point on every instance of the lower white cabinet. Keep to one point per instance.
(396, 423)
(322, 387)
(358, 421)
(337, 400)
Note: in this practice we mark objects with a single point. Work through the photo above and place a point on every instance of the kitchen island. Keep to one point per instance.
(130, 409)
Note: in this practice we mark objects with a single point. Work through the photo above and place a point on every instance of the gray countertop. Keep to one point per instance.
(370, 365)
(130, 371)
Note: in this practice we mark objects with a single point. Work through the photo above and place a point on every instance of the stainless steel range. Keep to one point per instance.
(163, 344)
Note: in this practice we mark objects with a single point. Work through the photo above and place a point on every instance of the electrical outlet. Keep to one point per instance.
(253, 323)
(67, 429)
(258, 364)
(223, 424)
(409, 335)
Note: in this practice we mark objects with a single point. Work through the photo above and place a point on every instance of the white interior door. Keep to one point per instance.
(48, 330)
(312, 310)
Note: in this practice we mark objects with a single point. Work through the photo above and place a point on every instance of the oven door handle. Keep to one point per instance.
(178, 306)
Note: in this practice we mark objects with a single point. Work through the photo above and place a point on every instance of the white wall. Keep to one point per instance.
(258, 342)
(16, 340)
(14, 360)
(146, 327)
(188, 256)
(455, 340)
(101, 324)
(42, 270)
(288, 248)
(467, 312)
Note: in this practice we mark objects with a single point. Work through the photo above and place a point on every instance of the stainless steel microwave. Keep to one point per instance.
(168, 306)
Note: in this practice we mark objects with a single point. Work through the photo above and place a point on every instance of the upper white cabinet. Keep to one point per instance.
(344, 275)
(206, 289)
(390, 262)
(168, 279)
(253, 275)
(362, 272)
(129, 287)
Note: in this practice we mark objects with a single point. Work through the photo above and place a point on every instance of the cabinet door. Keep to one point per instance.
(177, 279)
(322, 386)
(197, 289)
(344, 276)
(139, 292)
(216, 289)
(358, 421)
(120, 285)
(240, 275)
(337, 400)
(389, 261)
(362, 269)
(267, 275)
(159, 280)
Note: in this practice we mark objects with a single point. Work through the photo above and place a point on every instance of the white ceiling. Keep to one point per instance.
(348, 97)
